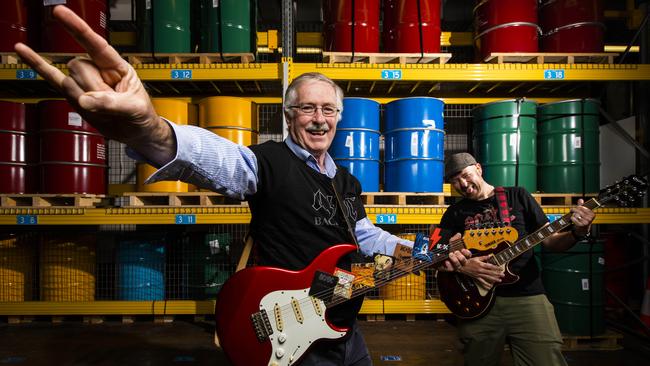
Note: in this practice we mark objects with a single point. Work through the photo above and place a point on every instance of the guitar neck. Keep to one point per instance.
(530, 241)
(403, 268)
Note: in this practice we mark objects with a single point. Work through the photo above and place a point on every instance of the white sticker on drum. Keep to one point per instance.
(74, 119)
(429, 122)
(585, 284)
(102, 19)
(513, 140)
(349, 143)
(147, 4)
(414, 144)
(215, 3)
(577, 142)
(53, 2)
(601, 261)
(101, 151)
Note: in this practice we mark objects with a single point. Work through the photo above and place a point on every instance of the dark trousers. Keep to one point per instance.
(352, 351)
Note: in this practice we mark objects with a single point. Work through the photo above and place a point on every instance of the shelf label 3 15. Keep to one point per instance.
(391, 74)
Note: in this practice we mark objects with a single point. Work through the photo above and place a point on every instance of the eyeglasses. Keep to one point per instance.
(310, 109)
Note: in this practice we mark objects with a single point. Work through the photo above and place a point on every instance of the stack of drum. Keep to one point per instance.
(230, 117)
(73, 153)
(67, 268)
(572, 26)
(141, 269)
(351, 25)
(411, 26)
(18, 148)
(16, 267)
(506, 26)
(54, 37)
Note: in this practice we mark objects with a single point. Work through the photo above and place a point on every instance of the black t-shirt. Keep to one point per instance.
(526, 216)
(295, 213)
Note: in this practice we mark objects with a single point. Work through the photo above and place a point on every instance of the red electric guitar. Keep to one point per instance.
(468, 299)
(267, 316)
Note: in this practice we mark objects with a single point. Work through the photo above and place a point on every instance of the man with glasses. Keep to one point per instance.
(301, 202)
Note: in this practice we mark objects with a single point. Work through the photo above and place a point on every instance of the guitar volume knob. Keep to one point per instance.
(279, 352)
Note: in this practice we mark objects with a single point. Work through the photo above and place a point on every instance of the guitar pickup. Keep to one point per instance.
(261, 325)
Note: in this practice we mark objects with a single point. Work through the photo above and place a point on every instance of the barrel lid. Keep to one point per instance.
(569, 101)
(397, 100)
(504, 101)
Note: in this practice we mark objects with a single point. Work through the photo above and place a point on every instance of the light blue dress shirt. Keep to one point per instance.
(215, 163)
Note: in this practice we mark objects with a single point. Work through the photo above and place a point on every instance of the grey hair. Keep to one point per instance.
(292, 92)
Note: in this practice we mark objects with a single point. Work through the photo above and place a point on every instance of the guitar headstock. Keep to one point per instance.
(489, 237)
(624, 192)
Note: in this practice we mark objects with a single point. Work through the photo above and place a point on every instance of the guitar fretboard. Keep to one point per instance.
(527, 243)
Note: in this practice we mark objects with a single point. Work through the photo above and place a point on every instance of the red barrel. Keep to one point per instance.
(506, 26)
(572, 26)
(73, 153)
(13, 24)
(18, 149)
(351, 25)
(411, 26)
(54, 37)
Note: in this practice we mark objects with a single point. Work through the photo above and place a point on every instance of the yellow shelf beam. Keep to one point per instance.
(241, 215)
(477, 72)
(190, 307)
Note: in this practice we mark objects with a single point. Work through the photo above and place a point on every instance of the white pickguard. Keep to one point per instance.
(294, 339)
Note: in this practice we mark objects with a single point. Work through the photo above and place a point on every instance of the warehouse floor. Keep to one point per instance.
(391, 342)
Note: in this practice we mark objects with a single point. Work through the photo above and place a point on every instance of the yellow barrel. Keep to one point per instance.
(177, 111)
(68, 269)
(15, 269)
(410, 287)
(230, 117)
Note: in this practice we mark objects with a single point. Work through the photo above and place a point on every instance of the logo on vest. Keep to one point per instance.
(325, 207)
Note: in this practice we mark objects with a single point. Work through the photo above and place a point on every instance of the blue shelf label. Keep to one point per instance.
(27, 220)
(391, 74)
(391, 358)
(553, 217)
(550, 74)
(182, 74)
(25, 74)
(185, 219)
(386, 219)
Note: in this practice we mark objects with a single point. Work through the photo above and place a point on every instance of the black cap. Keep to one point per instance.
(458, 162)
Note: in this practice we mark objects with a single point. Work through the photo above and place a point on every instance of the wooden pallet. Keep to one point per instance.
(404, 198)
(609, 341)
(386, 58)
(551, 58)
(561, 199)
(188, 58)
(53, 58)
(204, 199)
(52, 200)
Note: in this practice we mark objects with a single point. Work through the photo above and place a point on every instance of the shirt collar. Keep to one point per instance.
(310, 160)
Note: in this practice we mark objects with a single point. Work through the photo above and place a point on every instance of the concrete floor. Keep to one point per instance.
(392, 342)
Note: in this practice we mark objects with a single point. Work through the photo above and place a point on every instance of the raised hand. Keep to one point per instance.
(106, 91)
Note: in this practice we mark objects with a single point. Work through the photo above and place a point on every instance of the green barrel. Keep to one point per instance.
(144, 22)
(574, 284)
(504, 138)
(171, 26)
(208, 265)
(226, 26)
(568, 146)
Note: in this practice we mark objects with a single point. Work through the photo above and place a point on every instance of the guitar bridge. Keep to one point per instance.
(261, 325)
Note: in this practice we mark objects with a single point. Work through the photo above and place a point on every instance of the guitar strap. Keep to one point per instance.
(345, 217)
(504, 211)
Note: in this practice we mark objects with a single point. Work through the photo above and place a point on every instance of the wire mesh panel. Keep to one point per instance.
(17, 264)
(67, 268)
(270, 122)
(121, 168)
(458, 123)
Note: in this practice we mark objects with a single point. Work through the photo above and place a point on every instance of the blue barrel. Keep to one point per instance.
(414, 145)
(356, 143)
(141, 270)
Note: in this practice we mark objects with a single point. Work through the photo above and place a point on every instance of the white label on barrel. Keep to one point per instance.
(102, 19)
(74, 119)
(577, 142)
(429, 122)
(215, 3)
(101, 151)
(414, 144)
(147, 4)
(53, 2)
(585, 284)
(349, 143)
(601, 261)
(513, 140)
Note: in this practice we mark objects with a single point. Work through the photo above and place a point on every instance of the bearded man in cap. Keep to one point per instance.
(521, 313)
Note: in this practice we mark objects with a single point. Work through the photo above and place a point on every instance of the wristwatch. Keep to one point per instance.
(579, 237)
